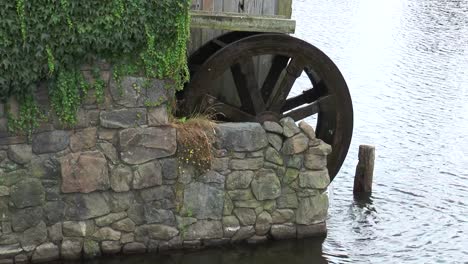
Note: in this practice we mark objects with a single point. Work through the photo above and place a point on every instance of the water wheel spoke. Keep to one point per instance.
(277, 66)
(282, 89)
(246, 84)
(321, 105)
(307, 97)
(220, 108)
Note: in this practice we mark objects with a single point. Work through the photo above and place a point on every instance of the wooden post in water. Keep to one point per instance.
(364, 170)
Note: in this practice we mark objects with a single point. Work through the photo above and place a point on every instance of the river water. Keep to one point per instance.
(406, 65)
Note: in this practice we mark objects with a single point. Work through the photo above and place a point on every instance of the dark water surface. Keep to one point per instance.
(406, 64)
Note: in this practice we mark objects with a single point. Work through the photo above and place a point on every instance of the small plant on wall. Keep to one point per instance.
(195, 137)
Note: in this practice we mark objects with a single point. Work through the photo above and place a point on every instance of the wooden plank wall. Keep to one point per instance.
(252, 7)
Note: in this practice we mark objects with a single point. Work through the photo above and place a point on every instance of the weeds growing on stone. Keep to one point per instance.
(195, 136)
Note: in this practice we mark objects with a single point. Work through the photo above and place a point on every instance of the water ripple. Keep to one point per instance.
(406, 64)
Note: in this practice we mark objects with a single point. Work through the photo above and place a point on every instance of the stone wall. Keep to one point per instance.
(114, 183)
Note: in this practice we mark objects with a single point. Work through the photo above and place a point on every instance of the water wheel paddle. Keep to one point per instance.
(226, 78)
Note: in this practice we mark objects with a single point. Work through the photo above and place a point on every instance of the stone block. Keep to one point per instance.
(155, 231)
(85, 206)
(26, 218)
(50, 142)
(295, 145)
(321, 148)
(20, 154)
(273, 156)
(281, 216)
(266, 185)
(110, 247)
(314, 179)
(312, 210)
(55, 232)
(228, 205)
(71, 249)
(54, 211)
(148, 175)
(157, 193)
(275, 141)
(246, 216)
(84, 172)
(169, 168)
(197, 194)
(241, 136)
(213, 177)
(289, 127)
(315, 162)
(220, 164)
(295, 162)
(121, 178)
(123, 118)
(124, 225)
(91, 249)
(128, 91)
(134, 248)
(283, 231)
(45, 166)
(307, 129)
(45, 252)
(110, 218)
(86, 118)
(230, 225)
(109, 151)
(78, 228)
(290, 175)
(244, 232)
(34, 236)
(246, 164)
(263, 223)
(204, 229)
(84, 139)
(241, 195)
(4, 191)
(107, 234)
(26, 193)
(239, 180)
(273, 127)
(288, 199)
(139, 145)
(158, 116)
(159, 216)
(127, 238)
(10, 250)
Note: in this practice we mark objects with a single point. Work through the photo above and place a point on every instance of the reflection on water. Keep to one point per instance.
(302, 252)
(406, 64)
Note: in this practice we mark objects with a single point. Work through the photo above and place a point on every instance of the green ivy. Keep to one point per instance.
(50, 39)
(28, 118)
(66, 95)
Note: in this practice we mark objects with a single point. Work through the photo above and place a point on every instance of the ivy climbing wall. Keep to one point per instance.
(50, 40)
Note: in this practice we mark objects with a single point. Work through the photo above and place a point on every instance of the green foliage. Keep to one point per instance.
(28, 119)
(50, 39)
(66, 95)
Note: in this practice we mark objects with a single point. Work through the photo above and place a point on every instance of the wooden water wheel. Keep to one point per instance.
(226, 78)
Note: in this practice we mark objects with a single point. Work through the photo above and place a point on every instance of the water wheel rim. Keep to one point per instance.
(334, 125)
